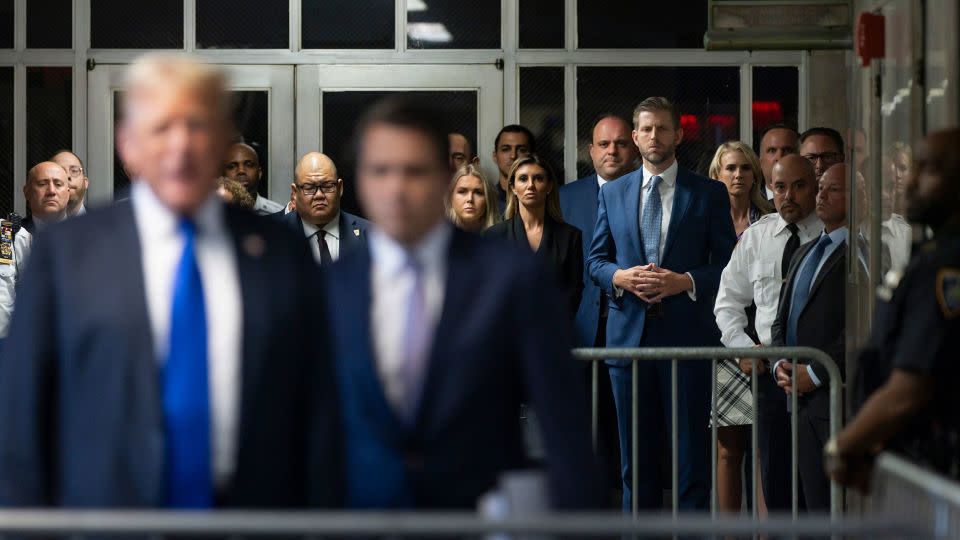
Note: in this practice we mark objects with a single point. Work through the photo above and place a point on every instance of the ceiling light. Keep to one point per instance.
(429, 32)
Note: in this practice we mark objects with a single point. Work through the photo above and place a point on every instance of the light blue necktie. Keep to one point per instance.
(801, 287)
(650, 221)
(415, 346)
(186, 402)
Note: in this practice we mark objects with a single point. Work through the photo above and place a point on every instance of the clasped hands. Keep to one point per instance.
(651, 283)
(804, 382)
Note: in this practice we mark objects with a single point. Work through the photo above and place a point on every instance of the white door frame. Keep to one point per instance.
(277, 80)
(314, 80)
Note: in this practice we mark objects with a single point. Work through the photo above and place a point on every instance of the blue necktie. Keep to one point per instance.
(801, 287)
(186, 403)
(650, 221)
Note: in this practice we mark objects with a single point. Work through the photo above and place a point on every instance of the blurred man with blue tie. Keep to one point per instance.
(662, 238)
(440, 335)
(188, 377)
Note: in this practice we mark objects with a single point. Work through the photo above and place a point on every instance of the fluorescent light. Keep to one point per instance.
(429, 32)
(416, 5)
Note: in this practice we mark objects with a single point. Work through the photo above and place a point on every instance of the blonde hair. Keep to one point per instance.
(553, 198)
(492, 213)
(757, 197)
(150, 70)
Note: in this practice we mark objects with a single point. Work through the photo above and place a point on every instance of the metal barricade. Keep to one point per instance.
(676, 354)
(908, 492)
(251, 523)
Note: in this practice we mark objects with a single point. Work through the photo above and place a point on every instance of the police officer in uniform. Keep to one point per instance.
(907, 376)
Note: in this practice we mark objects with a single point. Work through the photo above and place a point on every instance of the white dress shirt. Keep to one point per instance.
(161, 245)
(601, 180)
(897, 235)
(265, 207)
(666, 188)
(754, 275)
(10, 274)
(311, 231)
(391, 287)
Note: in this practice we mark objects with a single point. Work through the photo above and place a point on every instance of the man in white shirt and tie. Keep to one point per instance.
(755, 275)
(316, 192)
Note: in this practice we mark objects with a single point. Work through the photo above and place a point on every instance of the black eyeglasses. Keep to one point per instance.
(826, 157)
(311, 189)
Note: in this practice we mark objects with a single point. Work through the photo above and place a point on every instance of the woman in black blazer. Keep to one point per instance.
(533, 219)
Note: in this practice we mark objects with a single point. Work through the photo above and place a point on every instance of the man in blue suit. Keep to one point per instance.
(317, 191)
(613, 154)
(184, 372)
(662, 238)
(440, 335)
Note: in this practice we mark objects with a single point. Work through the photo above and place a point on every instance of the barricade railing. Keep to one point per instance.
(250, 523)
(714, 354)
(906, 491)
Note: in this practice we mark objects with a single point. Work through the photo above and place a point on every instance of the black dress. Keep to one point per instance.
(561, 248)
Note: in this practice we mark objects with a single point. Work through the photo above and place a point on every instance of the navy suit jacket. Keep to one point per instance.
(353, 229)
(578, 203)
(81, 422)
(699, 240)
(495, 347)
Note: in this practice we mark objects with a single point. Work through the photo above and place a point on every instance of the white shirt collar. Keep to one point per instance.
(669, 176)
(332, 227)
(164, 222)
(391, 257)
(601, 180)
(806, 224)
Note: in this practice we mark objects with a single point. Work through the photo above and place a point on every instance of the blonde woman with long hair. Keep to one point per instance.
(471, 204)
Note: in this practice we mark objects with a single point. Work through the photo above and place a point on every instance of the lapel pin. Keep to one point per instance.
(253, 245)
(356, 232)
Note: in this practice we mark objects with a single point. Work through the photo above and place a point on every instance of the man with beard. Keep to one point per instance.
(316, 193)
(243, 165)
(77, 181)
(906, 375)
(662, 278)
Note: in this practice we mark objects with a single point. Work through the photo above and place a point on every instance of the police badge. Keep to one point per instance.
(6, 242)
(948, 291)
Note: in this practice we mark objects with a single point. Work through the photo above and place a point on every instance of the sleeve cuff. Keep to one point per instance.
(692, 293)
(813, 376)
(773, 371)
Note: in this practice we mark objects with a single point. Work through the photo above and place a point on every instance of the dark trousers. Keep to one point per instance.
(773, 442)
(608, 444)
(813, 430)
(653, 422)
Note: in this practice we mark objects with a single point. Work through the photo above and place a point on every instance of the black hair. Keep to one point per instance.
(826, 132)
(517, 128)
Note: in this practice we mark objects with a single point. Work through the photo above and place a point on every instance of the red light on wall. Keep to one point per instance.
(690, 126)
(724, 121)
(766, 113)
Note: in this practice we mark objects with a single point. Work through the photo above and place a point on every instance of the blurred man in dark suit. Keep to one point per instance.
(188, 377)
(440, 335)
(316, 193)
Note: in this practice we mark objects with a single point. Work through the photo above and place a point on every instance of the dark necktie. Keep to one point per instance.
(325, 258)
(186, 401)
(792, 244)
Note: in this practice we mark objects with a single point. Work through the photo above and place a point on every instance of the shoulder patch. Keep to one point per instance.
(948, 291)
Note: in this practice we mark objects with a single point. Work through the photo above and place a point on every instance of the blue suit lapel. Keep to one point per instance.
(631, 211)
(682, 195)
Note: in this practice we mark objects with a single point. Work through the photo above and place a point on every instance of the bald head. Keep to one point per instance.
(317, 189)
(175, 127)
(794, 183)
(832, 197)
(932, 189)
(612, 149)
(46, 191)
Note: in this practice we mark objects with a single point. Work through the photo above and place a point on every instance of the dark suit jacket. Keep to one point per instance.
(495, 346)
(578, 202)
(699, 240)
(822, 324)
(80, 405)
(561, 246)
(353, 229)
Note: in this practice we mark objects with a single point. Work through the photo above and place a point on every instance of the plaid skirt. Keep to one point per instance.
(734, 399)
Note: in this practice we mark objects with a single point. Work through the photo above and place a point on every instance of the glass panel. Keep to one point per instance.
(435, 24)
(6, 141)
(347, 24)
(49, 112)
(241, 24)
(541, 24)
(122, 24)
(252, 122)
(341, 110)
(942, 64)
(776, 98)
(6, 24)
(50, 32)
(541, 110)
(620, 24)
(709, 110)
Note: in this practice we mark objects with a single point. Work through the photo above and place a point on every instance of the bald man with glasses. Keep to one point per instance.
(317, 192)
